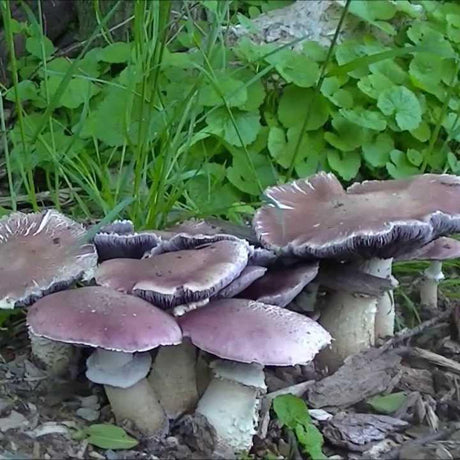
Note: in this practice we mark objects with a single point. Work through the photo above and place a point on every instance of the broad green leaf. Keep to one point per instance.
(414, 157)
(224, 86)
(211, 5)
(366, 118)
(390, 69)
(400, 167)
(421, 33)
(426, 70)
(422, 133)
(276, 142)
(373, 11)
(291, 411)
(387, 404)
(77, 91)
(453, 162)
(376, 152)
(108, 436)
(27, 91)
(311, 440)
(255, 91)
(34, 46)
(296, 68)
(373, 85)
(314, 50)
(115, 53)
(251, 52)
(401, 103)
(451, 124)
(347, 135)
(345, 164)
(312, 152)
(246, 124)
(331, 88)
(294, 104)
(353, 49)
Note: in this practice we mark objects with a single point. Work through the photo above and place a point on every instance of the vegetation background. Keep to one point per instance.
(169, 110)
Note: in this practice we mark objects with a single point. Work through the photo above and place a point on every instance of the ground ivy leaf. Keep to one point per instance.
(294, 104)
(414, 157)
(376, 152)
(366, 118)
(277, 143)
(387, 404)
(352, 49)
(311, 441)
(347, 135)
(390, 69)
(296, 69)
(255, 91)
(108, 436)
(291, 411)
(312, 152)
(403, 104)
(400, 167)
(314, 50)
(34, 46)
(115, 53)
(77, 91)
(422, 133)
(231, 89)
(247, 126)
(27, 91)
(372, 85)
(425, 70)
(453, 162)
(421, 33)
(345, 164)
(451, 124)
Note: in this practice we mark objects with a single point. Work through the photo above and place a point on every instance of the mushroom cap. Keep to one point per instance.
(280, 286)
(443, 248)
(239, 284)
(100, 317)
(41, 253)
(124, 245)
(179, 277)
(252, 332)
(316, 218)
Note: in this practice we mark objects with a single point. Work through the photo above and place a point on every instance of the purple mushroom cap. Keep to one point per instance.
(279, 286)
(317, 218)
(41, 253)
(100, 317)
(252, 332)
(246, 278)
(179, 277)
(443, 248)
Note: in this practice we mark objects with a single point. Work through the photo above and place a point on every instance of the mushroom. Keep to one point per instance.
(249, 274)
(121, 328)
(370, 223)
(280, 285)
(247, 335)
(436, 252)
(41, 253)
(172, 279)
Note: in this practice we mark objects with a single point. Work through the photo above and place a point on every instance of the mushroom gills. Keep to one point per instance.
(231, 405)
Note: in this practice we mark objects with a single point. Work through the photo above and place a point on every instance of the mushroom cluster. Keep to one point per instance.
(150, 304)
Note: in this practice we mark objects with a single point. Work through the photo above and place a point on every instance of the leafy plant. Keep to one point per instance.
(387, 404)
(106, 436)
(292, 412)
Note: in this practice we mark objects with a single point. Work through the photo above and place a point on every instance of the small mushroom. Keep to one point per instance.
(41, 253)
(370, 223)
(246, 278)
(436, 252)
(280, 285)
(121, 328)
(247, 335)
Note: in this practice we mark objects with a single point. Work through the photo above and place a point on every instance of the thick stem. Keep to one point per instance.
(385, 315)
(429, 286)
(231, 405)
(57, 358)
(140, 405)
(173, 377)
(350, 320)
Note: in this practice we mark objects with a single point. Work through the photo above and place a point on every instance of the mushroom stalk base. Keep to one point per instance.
(429, 286)
(232, 408)
(56, 357)
(173, 377)
(351, 322)
(385, 315)
(140, 405)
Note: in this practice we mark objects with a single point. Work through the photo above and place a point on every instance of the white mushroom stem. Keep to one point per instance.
(130, 395)
(385, 315)
(429, 286)
(173, 377)
(57, 358)
(231, 405)
(355, 321)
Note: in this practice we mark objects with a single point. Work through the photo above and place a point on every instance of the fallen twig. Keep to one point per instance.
(431, 357)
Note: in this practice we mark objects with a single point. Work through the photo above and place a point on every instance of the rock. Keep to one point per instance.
(88, 414)
(13, 421)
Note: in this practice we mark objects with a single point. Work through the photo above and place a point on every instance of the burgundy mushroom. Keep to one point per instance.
(370, 223)
(247, 335)
(120, 327)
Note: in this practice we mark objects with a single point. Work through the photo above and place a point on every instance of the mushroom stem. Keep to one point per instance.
(136, 401)
(173, 377)
(429, 286)
(56, 357)
(231, 405)
(385, 315)
(140, 405)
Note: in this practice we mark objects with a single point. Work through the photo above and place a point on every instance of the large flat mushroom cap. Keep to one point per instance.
(100, 317)
(281, 286)
(178, 277)
(316, 217)
(40, 253)
(252, 332)
(443, 248)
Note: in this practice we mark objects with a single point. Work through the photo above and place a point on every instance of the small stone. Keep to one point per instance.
(172, 441)
(5, 405)
(88, 414)
(90, 401)
(13, 421)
